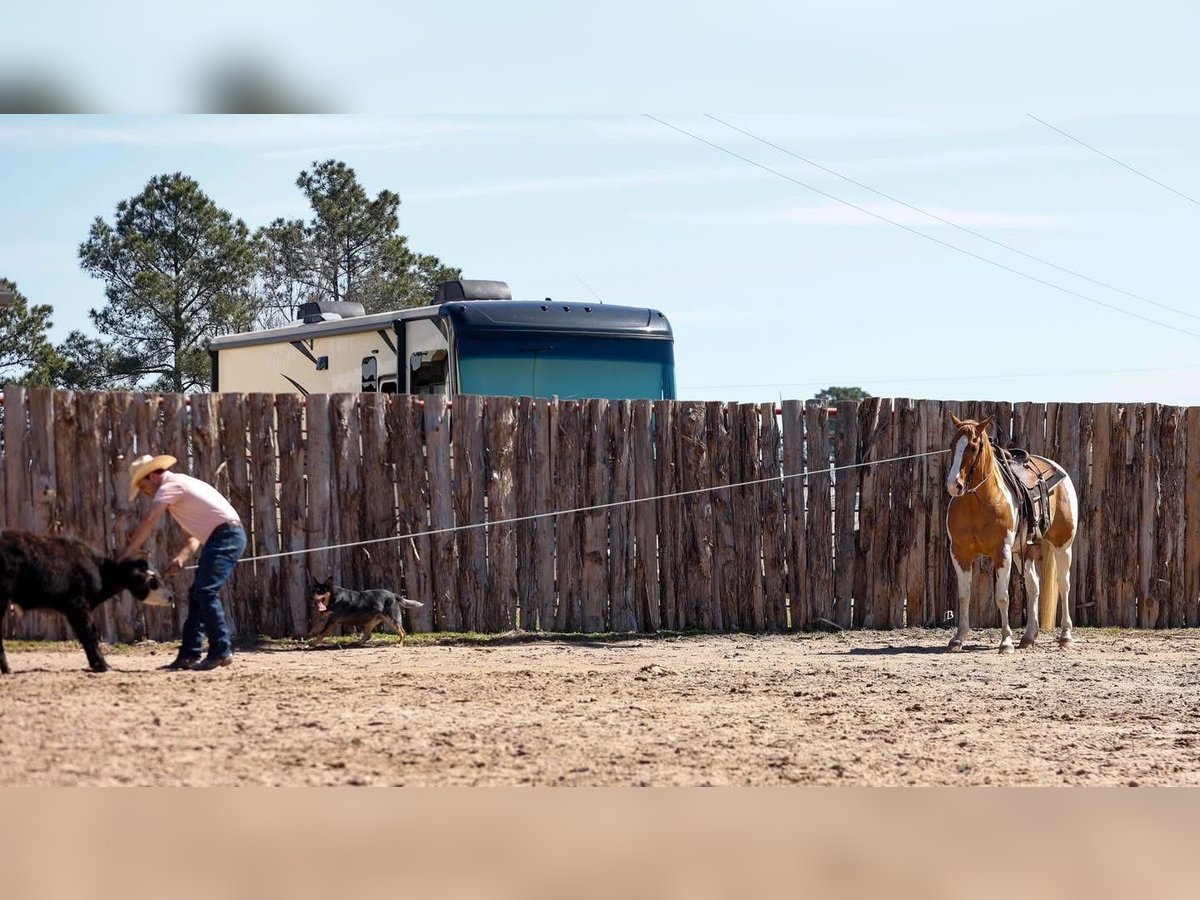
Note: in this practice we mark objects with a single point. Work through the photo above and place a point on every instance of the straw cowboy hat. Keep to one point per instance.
(143, 466)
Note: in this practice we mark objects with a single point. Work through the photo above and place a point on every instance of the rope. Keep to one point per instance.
(580, 509)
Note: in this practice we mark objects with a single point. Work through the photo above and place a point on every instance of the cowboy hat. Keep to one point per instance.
(143, 466)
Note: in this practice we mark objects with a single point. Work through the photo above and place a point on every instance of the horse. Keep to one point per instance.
(986, 518)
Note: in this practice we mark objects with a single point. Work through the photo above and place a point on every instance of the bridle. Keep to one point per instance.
(971, 472)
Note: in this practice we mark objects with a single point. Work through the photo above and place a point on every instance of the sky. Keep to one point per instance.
(527, 155)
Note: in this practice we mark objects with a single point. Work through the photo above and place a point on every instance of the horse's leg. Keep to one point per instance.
(1002, 572)
(1033, 586)
(964, 606)
(1062, 559)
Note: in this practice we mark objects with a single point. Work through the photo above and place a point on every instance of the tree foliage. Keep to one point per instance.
(177, 271)
(350, 249)
(83, 363)
(25, 349)
(833, 395)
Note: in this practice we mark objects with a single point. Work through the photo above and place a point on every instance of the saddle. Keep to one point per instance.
(1031, 479)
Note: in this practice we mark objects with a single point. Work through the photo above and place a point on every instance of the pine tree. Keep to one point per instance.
(350, 249)
(26, 353)
(177, 271)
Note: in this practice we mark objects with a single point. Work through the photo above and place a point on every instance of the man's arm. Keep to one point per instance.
(144, 530)
(192, 545)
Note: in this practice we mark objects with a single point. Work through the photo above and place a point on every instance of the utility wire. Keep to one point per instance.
(952, 224)
(977, 377)
(599, 299)
(921, 234)
(1123, 165)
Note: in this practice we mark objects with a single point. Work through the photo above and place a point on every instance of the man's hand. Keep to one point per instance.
(181, 558)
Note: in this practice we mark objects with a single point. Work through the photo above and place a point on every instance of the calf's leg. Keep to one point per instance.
(4, 669)
(85, 633)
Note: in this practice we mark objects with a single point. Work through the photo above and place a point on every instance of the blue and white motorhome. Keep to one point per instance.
(474, 339)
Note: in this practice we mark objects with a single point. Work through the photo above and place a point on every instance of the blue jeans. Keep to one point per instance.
(219, 555)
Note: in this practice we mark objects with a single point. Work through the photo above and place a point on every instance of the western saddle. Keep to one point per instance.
(1031, 479)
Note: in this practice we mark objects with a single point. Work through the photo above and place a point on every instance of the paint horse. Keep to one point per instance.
(986, 518)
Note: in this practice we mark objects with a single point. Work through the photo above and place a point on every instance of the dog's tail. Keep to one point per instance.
(410, 604)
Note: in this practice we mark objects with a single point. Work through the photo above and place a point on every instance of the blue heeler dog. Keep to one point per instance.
(364, 609)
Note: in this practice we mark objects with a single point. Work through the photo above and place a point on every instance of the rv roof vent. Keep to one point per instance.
(450, 291)
(328, 311)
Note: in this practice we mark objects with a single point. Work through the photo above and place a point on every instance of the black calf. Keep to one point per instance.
(65, 574)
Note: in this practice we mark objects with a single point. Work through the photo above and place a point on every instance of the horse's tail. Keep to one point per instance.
(1048, 594)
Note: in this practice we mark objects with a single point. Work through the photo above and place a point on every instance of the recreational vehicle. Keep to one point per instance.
(474, 339)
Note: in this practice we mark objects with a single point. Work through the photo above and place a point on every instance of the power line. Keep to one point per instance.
(921, 234)
(1123, 165)
(926, 378)
(599, 299)
(952, 224)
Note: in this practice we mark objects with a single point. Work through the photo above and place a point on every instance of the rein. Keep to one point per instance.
(971, 471)
(982, 481)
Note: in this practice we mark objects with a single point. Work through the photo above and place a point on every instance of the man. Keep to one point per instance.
(214, 528)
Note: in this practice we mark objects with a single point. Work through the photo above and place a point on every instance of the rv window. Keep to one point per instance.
(566, 366)
(370, 372)
(387, 386)
(429, 368)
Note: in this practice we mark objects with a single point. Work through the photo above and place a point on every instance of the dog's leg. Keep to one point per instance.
(399, 628)
(322, 629)
(85, 632)
(368, 627)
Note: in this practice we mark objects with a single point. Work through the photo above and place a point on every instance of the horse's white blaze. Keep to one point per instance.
(952, 473)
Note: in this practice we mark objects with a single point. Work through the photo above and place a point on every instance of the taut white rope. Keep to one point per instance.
(584, 509)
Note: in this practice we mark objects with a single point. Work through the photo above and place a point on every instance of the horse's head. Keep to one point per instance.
(968, 447)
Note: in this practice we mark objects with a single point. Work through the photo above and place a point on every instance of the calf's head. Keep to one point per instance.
(133, 575)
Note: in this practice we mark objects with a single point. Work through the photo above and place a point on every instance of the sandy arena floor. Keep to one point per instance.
(866, 708)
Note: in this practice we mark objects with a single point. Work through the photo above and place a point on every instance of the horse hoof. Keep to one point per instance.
(1006, 649)
(1065, 643)
(1026, 643)
(954, 647)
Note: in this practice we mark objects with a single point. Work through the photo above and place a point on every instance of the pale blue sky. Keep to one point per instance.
(774, 290)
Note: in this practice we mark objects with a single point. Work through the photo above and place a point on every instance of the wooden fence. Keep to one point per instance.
(863, 547)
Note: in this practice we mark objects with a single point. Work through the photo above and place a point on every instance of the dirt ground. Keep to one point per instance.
(862, 708)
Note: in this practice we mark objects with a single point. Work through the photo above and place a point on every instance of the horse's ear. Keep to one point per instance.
(986, 424)
(956, 420)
